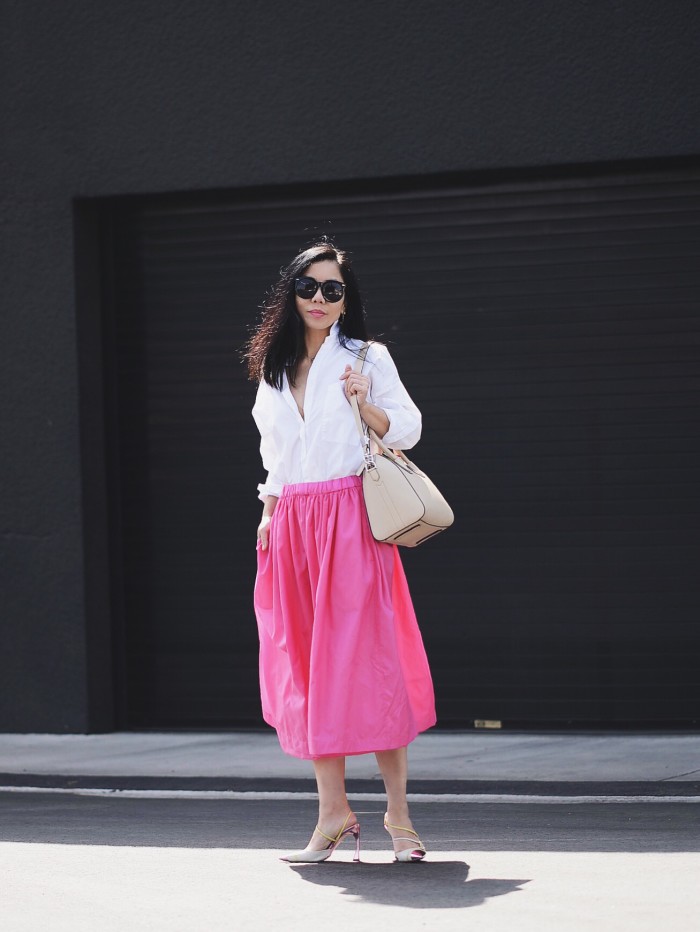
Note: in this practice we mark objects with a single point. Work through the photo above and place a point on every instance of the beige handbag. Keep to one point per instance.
(403, 505)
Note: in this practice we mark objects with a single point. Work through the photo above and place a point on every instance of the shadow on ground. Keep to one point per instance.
(440, 885)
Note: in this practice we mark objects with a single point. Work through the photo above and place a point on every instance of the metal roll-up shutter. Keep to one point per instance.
(548, 329)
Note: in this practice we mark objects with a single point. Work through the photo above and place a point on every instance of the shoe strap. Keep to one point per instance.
(401, 828)
(329, 837)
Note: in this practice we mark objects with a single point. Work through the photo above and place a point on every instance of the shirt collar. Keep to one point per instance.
(332, 338)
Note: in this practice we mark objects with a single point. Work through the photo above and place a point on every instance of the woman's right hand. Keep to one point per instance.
(264, 531)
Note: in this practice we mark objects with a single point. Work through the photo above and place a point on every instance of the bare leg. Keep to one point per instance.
(333, 805)
(394, 768)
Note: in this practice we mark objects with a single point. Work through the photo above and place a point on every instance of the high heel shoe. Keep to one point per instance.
(408, 854)
(308, 856)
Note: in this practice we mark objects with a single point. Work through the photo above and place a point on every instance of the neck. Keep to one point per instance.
(314, 341)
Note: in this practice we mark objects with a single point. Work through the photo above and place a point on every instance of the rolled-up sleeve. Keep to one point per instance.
(388, 392)
(270, 457)
(273, 483)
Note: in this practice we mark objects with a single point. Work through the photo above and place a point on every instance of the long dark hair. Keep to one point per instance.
(277, 343)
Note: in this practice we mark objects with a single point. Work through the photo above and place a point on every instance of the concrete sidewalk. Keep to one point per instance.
(475, 760)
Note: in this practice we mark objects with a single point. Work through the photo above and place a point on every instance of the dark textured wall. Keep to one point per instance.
(131, 97)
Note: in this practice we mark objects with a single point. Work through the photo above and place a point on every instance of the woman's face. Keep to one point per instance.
(316, 312)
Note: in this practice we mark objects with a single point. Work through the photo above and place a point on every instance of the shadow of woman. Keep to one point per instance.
(436, 885)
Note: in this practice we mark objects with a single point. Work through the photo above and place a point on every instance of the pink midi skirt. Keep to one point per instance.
(343, 669)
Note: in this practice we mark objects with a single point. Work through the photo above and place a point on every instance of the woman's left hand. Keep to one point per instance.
(356, 384)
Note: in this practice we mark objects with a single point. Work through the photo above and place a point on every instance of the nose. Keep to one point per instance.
(318, 295)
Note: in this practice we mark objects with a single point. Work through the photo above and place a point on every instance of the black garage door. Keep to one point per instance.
(548, 329)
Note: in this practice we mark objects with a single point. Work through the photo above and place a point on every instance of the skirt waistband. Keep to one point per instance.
(320, 488)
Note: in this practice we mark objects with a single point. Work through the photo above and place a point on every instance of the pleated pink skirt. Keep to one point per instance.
(343, 669)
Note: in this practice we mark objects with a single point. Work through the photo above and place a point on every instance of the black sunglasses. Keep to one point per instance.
(306, 287)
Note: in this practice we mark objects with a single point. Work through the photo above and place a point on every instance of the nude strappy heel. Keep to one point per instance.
(308, 856)
(408, 854)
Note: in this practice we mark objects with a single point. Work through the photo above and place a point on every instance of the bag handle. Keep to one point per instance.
(397, 456)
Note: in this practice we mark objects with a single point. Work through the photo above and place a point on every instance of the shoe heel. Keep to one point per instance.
(356, 833)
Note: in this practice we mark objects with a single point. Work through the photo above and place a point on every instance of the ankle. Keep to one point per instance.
(398, 815)
(330, 815)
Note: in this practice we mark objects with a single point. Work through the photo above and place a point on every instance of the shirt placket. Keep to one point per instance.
(310, 407)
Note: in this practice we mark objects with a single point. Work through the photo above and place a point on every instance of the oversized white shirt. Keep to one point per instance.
(325, 444)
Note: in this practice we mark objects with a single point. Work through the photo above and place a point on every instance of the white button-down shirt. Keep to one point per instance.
(325, 444)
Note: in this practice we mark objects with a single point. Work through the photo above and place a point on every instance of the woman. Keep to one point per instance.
(343, 669)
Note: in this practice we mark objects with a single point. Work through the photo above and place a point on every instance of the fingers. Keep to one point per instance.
(356, 383)
(264, 532)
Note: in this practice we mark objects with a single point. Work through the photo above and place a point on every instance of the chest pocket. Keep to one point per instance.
(338, 422)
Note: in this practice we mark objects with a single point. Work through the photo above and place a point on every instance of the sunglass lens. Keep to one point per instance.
(306, 287)
(332, 291)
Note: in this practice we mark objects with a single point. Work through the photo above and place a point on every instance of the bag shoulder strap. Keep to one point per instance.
(359, 363)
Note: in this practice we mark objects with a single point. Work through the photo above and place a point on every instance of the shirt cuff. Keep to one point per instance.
(269, 488)
(404, 429)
